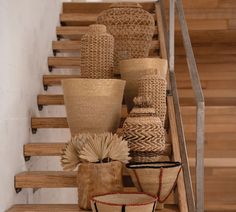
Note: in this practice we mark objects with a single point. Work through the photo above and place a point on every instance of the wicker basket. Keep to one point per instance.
(157, 178)
(154, 86)
(97, 51)
(93, 105)
(98, 178)
(124, 202)
(133, 69)
(132, 28)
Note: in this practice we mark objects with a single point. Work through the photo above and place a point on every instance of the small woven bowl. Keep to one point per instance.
(124, 201)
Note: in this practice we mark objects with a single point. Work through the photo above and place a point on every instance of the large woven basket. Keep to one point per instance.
(97, 51)
(133, 69)
(124, 202)
(98, 178)
(154, 87)
(157, 178)
(93, 105)
(132, 28)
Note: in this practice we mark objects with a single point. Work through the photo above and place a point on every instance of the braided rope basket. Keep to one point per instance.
(97, 51)
(132, 28)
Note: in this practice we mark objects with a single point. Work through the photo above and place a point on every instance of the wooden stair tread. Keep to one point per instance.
(216, 162)
(72, 19)
(64, 62)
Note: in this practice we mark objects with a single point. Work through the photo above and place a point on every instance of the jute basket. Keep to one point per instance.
(98, 178)
(154, 87)
(97, 51)
(133, 69)
(93, 105)
(157, 178)
(132, 28)
(124, 202)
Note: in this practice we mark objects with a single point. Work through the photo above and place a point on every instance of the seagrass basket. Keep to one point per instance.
(93, 105)
(97, 53)
(157, 178)
(124, 202)
(132, 28)
(154, 87)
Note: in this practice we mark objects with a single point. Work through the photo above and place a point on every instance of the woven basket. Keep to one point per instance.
(157, 178)
(132, 28)
(97, 51)
(124, 202)
(144, 157)
(93, 105)
(98, 178)
(133, 69)
(154, 87)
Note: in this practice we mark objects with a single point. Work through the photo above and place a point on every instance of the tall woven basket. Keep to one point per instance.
(132, 28)
(132, 70)
(157, 178)
(93, 105)
(154, 87)
(97, 51)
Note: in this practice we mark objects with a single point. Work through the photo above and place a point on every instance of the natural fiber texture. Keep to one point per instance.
(155, 87)
(93, 105)
(143, 157)
(98, 178)
(133, 69)
(119, 202)
(97, 51)
(157, 178)
(132, 28)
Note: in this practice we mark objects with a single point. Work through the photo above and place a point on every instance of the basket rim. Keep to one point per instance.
(155, 198)
(173, 164)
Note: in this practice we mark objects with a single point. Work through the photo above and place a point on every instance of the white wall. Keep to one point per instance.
(27, 28)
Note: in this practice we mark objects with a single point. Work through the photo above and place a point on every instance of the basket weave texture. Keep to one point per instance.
(97, 53)
(132, 28)
(154, 87)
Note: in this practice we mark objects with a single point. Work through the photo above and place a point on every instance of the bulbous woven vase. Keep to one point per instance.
(132, 28)
(98, 178)
(132, 70)
(97, 53)
(157, 178)
(93, 105)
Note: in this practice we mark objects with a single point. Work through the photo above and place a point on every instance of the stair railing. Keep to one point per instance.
(194, 204)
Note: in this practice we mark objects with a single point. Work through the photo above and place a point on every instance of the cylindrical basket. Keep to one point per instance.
(124, 202)
(157, 178)
(98, 178)
(132, 28)
(97, 51)
(93, 105)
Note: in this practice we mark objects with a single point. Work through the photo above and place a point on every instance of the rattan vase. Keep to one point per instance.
(124, 202)
(93, 105)
(157, 178)
(154, 87)
(132, 28)
(98, 178)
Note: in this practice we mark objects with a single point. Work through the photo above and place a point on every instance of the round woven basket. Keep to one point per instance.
(157, 178)
(97, 53)
(154, 87)
(93, 105)
(98, 178)
(124, 202)
(132, 28)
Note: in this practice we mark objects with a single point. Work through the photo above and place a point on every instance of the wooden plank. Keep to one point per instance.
(227, 3)
(48, 122)
(212, 128)
(213, 93)
(50, 80)
(50, 99)
(80, 19)
(232, 23)
(64, 62)
(216, 162)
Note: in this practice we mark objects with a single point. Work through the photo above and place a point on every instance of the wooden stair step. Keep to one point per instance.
(215, 162)
(50, 80)
(64, 62)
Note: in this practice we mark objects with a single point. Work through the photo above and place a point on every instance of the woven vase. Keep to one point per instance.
(93, 105)
(98, 178)
(132, 70)
(157, 178)
(154, 87)
(97, 51)
(132, 27)
(124, 202)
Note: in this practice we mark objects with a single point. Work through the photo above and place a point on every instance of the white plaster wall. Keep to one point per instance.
(27, 28)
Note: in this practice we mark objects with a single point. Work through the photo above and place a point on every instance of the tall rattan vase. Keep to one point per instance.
(132, 28)
(93, 105)
(97, 51)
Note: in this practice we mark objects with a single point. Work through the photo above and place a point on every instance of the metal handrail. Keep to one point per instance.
(193, 205)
